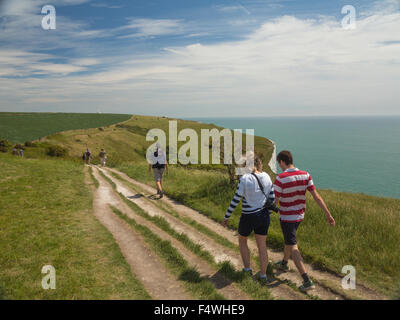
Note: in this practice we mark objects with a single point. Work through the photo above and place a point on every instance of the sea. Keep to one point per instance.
(351, 154)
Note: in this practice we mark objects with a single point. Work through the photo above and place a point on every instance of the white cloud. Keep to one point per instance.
(287, 66)
(152, 27)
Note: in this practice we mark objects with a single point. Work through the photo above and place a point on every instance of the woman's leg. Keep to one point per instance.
(244, 251)
(262, 252)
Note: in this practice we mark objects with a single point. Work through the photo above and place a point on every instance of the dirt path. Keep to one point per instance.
(278, 289)
(160, 284)
(328, 285)
(224, 286)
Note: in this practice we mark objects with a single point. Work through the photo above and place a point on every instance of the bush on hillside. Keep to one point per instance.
(29, 144)
(57, 151)
(4, 145)
(20, 146)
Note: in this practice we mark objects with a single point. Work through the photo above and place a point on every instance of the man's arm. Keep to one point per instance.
(318, 199)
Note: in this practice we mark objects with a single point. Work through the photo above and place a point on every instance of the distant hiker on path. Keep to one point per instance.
(254, 189)
(159, 163)
(103, 157)
(21, 152)
(290, 191)
(15, 151)
(88, 156)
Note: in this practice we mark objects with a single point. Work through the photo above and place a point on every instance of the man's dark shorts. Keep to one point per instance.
(257, 222)
(289, 232)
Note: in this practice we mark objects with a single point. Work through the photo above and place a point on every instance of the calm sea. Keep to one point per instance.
(354, 154)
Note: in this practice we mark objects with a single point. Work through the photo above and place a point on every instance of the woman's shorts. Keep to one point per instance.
(257, 222)
(158, 173)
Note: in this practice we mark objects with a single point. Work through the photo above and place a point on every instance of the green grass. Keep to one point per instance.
(200, 287)
(46, 218)
(246, 283)
(366, 235)
(95, 182)
(21, 127)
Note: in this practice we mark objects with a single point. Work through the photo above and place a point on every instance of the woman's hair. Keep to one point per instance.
(258, 163)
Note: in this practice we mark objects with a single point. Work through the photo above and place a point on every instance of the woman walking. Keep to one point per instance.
(254, 189)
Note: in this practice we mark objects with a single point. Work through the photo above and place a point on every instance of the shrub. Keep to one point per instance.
(20, 146)
(57, 151)
(29, 144)
(4, 145)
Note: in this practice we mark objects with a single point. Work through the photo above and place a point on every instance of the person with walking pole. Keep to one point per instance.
(255, 190)
(290, 189)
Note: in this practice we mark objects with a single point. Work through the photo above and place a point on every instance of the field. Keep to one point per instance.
(366, 235)
(21, 127)
(46, 219)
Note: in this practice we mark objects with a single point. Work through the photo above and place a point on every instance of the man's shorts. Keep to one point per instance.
(257, 222)
(158, 173)
(289, 232)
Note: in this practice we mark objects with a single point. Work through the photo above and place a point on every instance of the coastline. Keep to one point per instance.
(272, 161)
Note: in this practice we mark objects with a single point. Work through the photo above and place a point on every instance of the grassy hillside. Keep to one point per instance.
(21, 127)
(46, 218)
(366, 235)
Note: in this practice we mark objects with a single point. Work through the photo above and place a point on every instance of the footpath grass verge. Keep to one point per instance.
(198, 286)
(366, 234)
(95, 182)
(46, 219)
(246, 283)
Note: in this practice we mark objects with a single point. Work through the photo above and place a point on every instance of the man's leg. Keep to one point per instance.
(262, 253)
(287, 252)
(297, 258)
(244, 251)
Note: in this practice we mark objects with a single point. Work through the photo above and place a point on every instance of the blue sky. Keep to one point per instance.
(192, 58)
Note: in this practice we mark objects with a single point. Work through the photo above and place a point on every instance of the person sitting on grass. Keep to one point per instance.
(290, 192)
(254, 216)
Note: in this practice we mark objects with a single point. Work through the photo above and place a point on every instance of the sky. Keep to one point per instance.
(201, 58)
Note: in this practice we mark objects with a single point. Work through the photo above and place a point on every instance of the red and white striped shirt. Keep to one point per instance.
(290, 190)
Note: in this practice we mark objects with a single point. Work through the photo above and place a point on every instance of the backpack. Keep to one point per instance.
(158, 165)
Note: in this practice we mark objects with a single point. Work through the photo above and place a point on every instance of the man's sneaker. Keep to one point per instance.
(248, 272)
(161, 194)
(306, 286)
(265, 280)
(284, 267)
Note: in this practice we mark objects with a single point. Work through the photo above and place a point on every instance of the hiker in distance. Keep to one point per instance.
(290, 192)
(254, 189)
(88, 156)
(159, 163)
(103, 157)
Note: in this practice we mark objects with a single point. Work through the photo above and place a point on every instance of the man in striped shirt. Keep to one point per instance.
(290, 189)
